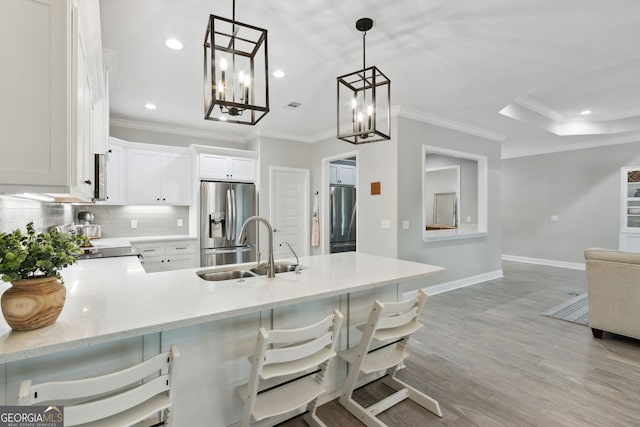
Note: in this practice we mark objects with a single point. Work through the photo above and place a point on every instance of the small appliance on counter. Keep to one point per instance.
(86, 227)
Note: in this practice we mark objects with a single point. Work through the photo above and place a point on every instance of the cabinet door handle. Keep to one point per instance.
(88, 182)
(180, 248)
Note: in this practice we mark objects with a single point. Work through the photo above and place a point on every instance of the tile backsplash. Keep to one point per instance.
(16, 213)
(114, 220)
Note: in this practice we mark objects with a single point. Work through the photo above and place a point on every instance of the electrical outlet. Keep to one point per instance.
(180, 222)
(405, 224)
(385, 224)
(468, 220)
(555, 218)
(134, 223)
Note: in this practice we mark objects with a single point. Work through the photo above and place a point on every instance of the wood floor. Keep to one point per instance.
(491, 359)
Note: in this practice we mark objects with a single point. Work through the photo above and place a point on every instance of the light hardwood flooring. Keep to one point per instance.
(491, 359)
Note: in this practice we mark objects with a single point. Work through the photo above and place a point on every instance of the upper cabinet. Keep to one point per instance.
(223, 164)
(158, 175)
(342, 174)
(53, 108)
(116, 173)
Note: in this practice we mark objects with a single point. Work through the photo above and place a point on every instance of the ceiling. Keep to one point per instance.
(457, 63)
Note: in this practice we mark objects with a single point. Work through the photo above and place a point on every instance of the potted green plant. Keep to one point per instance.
(32, 263)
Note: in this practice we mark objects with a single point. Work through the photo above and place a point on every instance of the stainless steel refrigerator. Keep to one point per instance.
(224, 206)
(342, 219)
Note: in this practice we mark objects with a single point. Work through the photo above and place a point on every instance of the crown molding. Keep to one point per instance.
(396, 111)
(409, 113)
(532, 150)
(175, 130)
(285, 135)
(539, 108)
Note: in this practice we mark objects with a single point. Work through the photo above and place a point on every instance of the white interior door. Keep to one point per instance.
(289, 210)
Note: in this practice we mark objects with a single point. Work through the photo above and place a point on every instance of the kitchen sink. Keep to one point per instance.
(280, 267)
(234, 274)
(220, 275)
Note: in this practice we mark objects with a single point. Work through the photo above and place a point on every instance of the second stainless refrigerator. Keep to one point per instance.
(342, 219)
(224, 206)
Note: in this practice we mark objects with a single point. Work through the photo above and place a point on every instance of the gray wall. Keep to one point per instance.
(464, 257)
(377, 162)
(582, 187)
(277, 152)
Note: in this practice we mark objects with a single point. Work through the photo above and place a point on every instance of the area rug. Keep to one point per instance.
(575, 310)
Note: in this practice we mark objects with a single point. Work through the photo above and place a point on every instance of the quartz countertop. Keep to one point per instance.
(114, 242)
(113, 298)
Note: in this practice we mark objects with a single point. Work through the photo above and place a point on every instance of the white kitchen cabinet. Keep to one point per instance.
(116, 173)
(342, 174)
(50, 87)
(167, 255)
(158, 175)
(227, 168)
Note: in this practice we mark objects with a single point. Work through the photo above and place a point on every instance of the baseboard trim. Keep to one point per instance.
(541, 261)
(460, 283)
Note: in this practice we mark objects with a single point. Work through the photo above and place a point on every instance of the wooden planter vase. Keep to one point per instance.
(33, 303)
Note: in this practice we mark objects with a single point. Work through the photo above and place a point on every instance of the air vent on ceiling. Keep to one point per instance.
(292, 105)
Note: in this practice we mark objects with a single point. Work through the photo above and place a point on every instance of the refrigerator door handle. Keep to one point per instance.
(332, 213)
(229, 222)
(233, 213)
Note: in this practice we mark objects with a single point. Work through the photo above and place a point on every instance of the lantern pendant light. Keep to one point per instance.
(364, 100)
(236, 71)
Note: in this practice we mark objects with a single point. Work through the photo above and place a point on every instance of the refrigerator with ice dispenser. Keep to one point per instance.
(224, 206)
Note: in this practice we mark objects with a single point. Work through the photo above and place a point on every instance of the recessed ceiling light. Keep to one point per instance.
(585, 112)
(278, 74)
(150, 106)
(173, 44)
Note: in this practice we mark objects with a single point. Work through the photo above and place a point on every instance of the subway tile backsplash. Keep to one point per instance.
(114, 220)
(16, 213)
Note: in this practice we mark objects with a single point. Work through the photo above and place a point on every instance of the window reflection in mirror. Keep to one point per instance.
(458, 181)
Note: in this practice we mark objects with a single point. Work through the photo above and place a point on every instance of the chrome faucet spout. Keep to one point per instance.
(295, 255)
(271, 267)
(292, 251)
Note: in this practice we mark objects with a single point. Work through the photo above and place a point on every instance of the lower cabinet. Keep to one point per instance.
(167, 255)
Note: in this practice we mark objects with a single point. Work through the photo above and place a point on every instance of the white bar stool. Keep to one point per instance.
(383, 347)
(117, 399)
(287, 370)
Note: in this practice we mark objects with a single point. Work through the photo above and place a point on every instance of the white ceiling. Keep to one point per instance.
(459, 62)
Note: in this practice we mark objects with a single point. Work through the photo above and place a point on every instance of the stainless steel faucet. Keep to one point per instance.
(271, 267)
(294, 254)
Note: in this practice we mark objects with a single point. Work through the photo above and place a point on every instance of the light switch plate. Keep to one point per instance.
(180, 222)
(555, 218)
(134, 223)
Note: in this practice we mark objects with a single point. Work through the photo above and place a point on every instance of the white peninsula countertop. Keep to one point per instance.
(113, 298)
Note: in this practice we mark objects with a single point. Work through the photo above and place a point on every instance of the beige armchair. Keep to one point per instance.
(613, 288)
